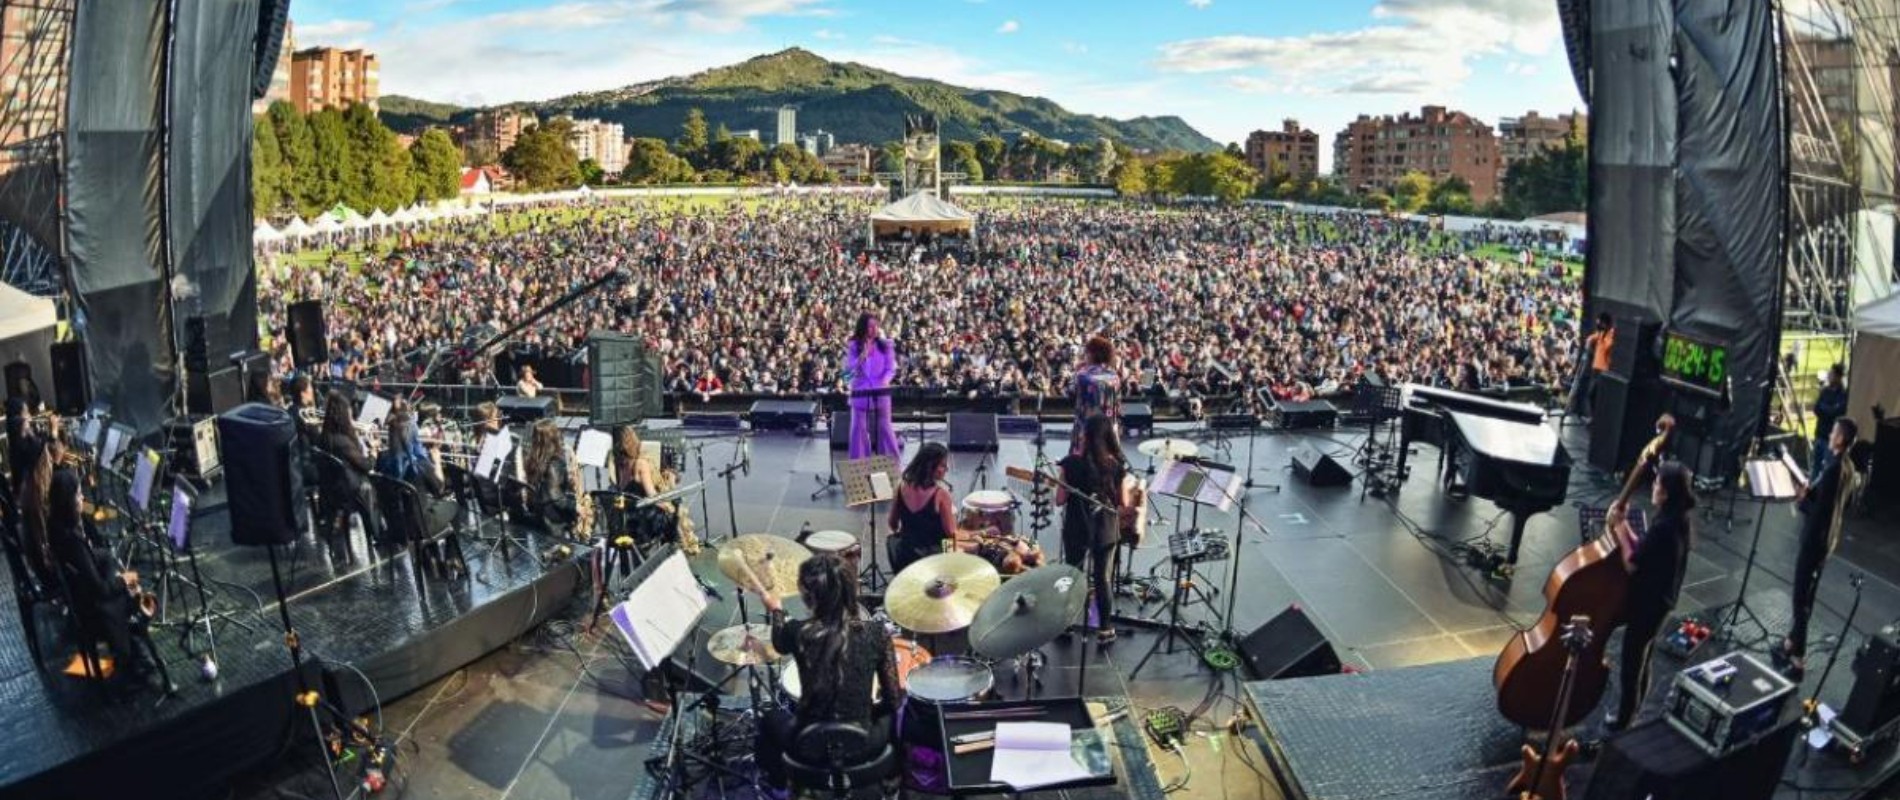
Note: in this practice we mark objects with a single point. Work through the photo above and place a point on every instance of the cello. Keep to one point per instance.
(1529, 674)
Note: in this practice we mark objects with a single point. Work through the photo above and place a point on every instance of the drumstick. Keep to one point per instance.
(965, 749)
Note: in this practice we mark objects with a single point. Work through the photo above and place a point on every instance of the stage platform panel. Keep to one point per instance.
(363, 619)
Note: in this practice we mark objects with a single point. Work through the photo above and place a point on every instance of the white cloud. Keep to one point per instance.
(827, 34)
(919, 59)
(1418, 47)
(1200, 3)
(322, 32)
(1521, 68)
(1074, 48)
(1252, 85)
(1008, 26)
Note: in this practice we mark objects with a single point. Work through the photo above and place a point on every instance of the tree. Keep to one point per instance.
(1130, 178)
(481, 152)
(269, 172)
(438, 165)
(692, 142)
(990, 152)
(1556, 179)
(1219, 175)
(649, 161)
(1451, 196)
(1101, 164)
(890, 157)
(738, 156)
(1411, 191)
(542, 158)
(333, 166)
(963, 159)
(789, 162)
(591, 172)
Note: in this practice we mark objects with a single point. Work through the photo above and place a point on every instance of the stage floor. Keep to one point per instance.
(557, 714)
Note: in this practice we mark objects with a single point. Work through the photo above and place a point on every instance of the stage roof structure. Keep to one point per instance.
(922, 211)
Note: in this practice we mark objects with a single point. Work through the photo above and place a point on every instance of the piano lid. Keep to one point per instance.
(1474, 404)
(1505, 440)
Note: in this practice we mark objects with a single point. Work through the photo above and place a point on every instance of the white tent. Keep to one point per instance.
(1876, 359)
(265, 234)
(297, 228)
(28, 324)
(357, 223)
(379, 219)
(403, 216)
(922, 211)
(324, 218)
(426, 214)
(327, 224)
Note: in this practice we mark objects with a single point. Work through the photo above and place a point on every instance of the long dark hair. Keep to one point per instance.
(921, 472)
(337, 416)
(861, 334)
(1678, 485)
(1102, 447)
(544, 446)
(830, 591)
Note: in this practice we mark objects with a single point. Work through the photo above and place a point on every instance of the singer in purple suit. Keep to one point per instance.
(870, 361)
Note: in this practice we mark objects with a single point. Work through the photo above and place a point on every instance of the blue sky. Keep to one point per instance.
(1226, 66)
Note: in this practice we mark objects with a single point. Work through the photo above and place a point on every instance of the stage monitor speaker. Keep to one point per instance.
(1319, 469)
(841, 429)
(72, 388)
(1137, 418)
(1288, 646)
(309, 342)
(261, 476)
(1622, 420)
(1653, 761)
(215, 392)
(518, 410)
(972, 433)
(627, 381)
(1875, 699)
(1634, 354)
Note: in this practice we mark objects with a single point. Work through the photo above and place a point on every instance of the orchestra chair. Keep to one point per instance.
(835, 775)
(336, 501)
(405, 521)
(29, 591)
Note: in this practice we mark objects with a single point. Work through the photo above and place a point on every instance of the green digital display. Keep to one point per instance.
(1695, 363)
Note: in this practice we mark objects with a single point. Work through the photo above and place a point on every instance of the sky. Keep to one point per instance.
(1228, 67)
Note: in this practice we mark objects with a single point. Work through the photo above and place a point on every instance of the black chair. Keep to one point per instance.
(336, 499)
(406, 521)
(840, 772)
(29, 591)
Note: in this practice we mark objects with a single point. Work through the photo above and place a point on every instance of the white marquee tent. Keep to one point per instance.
(922, 211)
(1876, 359)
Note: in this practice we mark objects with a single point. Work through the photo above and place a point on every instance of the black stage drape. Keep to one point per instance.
(1632, 219)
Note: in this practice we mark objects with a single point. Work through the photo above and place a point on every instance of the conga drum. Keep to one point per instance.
(838, 543)
(990, 508)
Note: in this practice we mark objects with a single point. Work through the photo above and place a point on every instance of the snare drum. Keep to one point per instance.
(950, 679)
(909, 656)
(990, 507)
(838, 543)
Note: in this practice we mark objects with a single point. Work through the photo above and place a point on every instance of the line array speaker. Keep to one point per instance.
(627, 381)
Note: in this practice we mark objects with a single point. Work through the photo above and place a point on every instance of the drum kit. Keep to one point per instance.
(938, 595)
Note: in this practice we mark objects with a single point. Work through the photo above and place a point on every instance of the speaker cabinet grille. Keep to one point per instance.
(627, 381)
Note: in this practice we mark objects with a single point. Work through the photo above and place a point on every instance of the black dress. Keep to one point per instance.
(846, 696)
(1090, 531)
(1661, 559)
(921, 532)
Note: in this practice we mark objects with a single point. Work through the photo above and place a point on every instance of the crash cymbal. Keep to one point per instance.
(1169, 449)
(772, 559)
(1029, 611)
(743, 645)
(941, 593)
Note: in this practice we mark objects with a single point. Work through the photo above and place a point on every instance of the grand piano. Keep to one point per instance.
(1500, 451)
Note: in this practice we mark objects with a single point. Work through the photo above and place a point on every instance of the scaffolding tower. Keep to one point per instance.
(34, 63)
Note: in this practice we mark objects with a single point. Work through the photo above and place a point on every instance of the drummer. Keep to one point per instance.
(923, 516)
(850, 670)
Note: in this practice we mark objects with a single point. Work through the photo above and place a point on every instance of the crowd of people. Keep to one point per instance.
(760, 297)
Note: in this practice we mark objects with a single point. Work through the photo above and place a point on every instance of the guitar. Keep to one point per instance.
(1541, 777)
(1133, 505)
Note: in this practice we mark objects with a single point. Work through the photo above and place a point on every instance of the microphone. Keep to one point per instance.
(708, 588)
(745, 453)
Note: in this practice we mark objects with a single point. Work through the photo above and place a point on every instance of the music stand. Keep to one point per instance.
(1377, 403)
(1198, 483)
(1770, 480)
(869, 481)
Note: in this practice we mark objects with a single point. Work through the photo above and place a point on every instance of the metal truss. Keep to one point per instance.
(34, 63)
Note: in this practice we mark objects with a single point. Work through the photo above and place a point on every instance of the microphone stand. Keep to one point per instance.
(612, 276)
(1082, 679)
(742, 462)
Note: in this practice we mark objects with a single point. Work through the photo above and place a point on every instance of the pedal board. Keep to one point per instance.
(1167, 726)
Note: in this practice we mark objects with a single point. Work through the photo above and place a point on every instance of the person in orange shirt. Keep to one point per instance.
(1599, 345)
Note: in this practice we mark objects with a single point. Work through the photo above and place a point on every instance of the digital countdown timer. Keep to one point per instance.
(1695, 363)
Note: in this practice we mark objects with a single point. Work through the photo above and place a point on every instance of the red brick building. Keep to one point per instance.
(1519, 138)
(1291, 151)
(1373, 152)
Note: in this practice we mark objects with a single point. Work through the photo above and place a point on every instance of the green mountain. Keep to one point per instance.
(409, 115)
(854, 102)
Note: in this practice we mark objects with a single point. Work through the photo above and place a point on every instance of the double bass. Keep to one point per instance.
(1529, 674)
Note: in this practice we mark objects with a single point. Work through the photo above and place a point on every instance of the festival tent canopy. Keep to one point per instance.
(1876, 359)
(265, 233)
(379, 219)
(297, 228)
(403, 216)
(344, 213)
(922, 211)
(327, 224)
(28, 324)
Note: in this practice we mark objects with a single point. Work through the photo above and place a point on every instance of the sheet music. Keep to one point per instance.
(142, 476)
(89, 434)
(593, 448)
(116, 437)
(881, 487)
(1033, 754)
(1198, 483)
(1794, 468)
(375, 411)
(180, 527)
(495, 448)
(661, 611)
(1769, 479)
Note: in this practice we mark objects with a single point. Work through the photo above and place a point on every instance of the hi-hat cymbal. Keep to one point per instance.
(743, 645)
(941, 593)
(1169, 449)
(1029, 611)
(771, 560)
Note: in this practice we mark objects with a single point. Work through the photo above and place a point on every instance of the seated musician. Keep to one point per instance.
(99, 593)
(308, 417)
(922, 516)
(352, 490)
(635, 478)
(528, 386)
(23, 443)
(549, 477)
(405, 459)
(851, 667)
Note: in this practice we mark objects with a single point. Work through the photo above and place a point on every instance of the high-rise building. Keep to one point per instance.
(328, 77)
(498, 129)
(1374, 152)
(851, 162)
(787, 125)
(33, 40)
(1291, 151)
(749, 133)
(808, 143)
(604, 142)
(279, 75)
(1519, 138)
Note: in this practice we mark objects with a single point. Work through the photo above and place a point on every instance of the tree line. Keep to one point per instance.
(306, 164)
(698, 155)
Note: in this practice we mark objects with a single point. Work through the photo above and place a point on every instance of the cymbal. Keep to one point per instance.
(743, 645)
(941, 593)
(1169, 449)
(773, 559)
(1029, 611)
